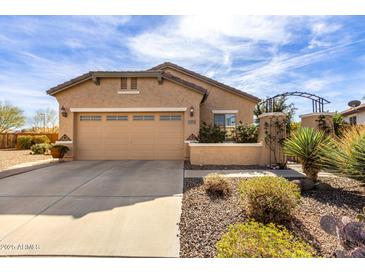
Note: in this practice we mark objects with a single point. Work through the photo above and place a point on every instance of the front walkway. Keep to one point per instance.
(294, 171)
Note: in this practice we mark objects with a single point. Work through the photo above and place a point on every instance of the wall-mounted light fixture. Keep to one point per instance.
(63, 111)
(191, 111)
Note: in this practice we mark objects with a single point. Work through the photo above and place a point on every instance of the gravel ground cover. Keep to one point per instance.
(12, 157)
(206, 218)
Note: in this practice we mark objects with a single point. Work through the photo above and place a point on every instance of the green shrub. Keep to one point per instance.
(255, 240)
(40, 139)
(246, 133)
(40, 148)
(307, 145)
(211, 134)
(269, 199)
(217, 184)
(24, 142)
(346, 156)
(338, 124)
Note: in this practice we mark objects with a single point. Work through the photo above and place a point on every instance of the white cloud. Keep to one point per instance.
(210, 39)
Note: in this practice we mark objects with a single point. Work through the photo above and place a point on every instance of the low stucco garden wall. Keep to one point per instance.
(228, 154)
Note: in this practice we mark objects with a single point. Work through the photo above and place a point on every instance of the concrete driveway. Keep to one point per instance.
(93, 208)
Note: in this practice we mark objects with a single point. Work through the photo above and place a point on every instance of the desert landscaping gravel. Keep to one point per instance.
(205, 218)
(12, 157)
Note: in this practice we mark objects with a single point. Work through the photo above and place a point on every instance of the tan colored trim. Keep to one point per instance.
(63, 142)
(316, 114)
(225, 111)
(225, 144)
(156, 109)
(271, 114)
(128, 92)
(118, 74)
(71, 85)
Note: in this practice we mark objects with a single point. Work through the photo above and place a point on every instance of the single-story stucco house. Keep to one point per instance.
(355, 115)
(144, 115)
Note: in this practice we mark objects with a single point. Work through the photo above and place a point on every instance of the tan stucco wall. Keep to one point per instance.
(238, 154)
(152, 94)
(219, 99)
(311, 120)
(227, 154)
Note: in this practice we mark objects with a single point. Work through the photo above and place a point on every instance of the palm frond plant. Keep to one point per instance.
(306, 144)
(345, 156)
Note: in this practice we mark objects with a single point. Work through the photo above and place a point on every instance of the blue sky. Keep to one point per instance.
(262, 55)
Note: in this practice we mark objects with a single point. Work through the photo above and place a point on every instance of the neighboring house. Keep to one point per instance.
(148, 114)
(355, 115)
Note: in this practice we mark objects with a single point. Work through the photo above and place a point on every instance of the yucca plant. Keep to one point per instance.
(346, 156)
(306, 144)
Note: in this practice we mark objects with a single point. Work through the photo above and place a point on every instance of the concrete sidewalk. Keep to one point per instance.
(294, 171)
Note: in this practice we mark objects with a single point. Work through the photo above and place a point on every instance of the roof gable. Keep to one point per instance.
(96, 75)
(354, 110)
(206, 79)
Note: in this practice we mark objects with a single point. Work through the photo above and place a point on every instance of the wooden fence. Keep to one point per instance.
(9, 140)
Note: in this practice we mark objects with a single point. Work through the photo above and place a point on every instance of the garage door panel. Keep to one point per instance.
(130, 139)
(117, 140)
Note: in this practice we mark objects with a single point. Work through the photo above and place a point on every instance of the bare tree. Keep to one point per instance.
(11, 117)
(45, 120)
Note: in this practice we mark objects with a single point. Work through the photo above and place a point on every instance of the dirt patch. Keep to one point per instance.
(206, 218)
(11, 157)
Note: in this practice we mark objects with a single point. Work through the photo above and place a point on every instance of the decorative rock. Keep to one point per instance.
(304, 184)
(323, 186)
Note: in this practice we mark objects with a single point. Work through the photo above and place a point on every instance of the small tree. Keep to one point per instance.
(11, 117)
(44, 120)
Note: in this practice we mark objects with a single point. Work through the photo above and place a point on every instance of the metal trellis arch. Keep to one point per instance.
(317, 101)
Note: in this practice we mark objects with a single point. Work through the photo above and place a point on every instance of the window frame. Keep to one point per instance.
(124, 80)
(134, 83)
(353, 120)
(171, 117)
(143, 117)
(125, 118)
(84, 118)
(225, 119)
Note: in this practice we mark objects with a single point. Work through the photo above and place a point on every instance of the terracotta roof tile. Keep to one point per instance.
(206, 79)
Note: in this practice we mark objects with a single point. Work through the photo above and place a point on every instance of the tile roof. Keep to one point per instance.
(206, 79)
(353, 110)
(150, 73)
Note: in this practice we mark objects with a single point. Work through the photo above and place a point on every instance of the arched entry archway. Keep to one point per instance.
(317, 101)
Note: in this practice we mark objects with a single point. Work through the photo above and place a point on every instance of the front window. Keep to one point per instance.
(225, 120)
(133, 83)
(353, 120)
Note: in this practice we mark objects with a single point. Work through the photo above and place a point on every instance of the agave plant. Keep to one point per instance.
(346, 156)
(306, 144)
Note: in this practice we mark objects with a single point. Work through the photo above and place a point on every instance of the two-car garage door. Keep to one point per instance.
(126, 136)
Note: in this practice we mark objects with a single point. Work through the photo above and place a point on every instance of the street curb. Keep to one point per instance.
(16, 171)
